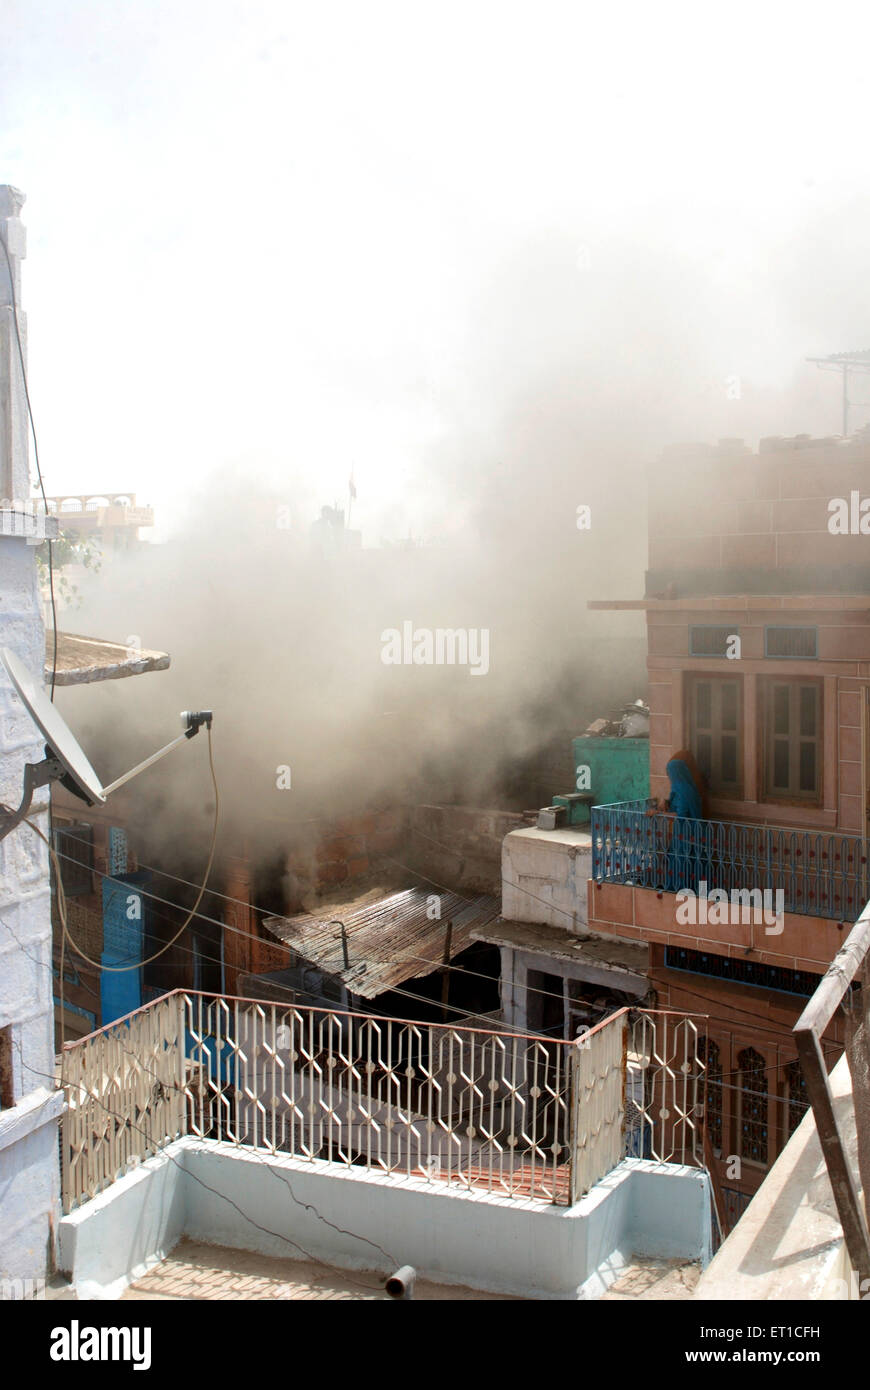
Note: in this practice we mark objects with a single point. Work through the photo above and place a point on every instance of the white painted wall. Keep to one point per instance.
(501, 1245)
(28, 1130)
(544, 877)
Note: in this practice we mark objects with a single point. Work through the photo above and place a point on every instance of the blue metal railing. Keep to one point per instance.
(819, 875)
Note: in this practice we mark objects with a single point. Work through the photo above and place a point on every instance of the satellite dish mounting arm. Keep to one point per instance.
(194, 720)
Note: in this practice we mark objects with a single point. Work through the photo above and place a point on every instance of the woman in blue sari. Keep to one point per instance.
(682, 863)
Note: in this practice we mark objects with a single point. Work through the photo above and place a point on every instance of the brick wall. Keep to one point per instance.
(725, 509)
(459, 846)
(349, 845)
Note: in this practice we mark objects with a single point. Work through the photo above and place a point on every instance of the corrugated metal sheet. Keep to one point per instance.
(389, 941)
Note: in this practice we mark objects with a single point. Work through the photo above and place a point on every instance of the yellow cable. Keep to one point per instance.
(61, 899)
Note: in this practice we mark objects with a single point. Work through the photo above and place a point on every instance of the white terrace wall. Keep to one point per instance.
(223, 1195)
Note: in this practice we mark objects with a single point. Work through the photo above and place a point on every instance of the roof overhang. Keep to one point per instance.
(84, 660)
(620, 965)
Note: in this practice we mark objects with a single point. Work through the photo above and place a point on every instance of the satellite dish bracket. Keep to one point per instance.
(35, 775)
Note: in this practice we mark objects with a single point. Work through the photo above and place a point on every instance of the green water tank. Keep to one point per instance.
(618, 771)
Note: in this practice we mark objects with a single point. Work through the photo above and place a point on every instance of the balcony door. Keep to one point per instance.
(716, 731)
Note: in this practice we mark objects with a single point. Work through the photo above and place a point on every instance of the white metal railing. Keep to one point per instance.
(491, 1111)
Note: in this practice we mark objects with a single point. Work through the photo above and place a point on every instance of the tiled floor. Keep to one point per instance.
(195, 1271)
(656, 1279)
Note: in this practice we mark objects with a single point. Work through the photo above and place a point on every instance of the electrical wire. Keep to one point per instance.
(326, 918)
(61, 899)
(36, 457)
(530, 989)
(831, 1049)
(435, 964)
(712, 1080)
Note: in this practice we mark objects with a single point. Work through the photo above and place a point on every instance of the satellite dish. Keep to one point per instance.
(77, 774)
(64, 760)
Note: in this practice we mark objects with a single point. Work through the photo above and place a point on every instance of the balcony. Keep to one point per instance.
(198, 1116)
(781, 894)
(818, 874)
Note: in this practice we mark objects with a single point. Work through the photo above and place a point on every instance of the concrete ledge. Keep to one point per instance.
(41, 1107)
(220, 1194)
(789, 1243)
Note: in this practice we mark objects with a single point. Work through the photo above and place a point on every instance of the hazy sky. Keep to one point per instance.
(294, 238)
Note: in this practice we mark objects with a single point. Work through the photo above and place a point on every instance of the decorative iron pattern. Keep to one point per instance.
(820, 875)
(485, 1111)
(598, 1102)
(124, 1097)
(667, 1049)
(482, 1110)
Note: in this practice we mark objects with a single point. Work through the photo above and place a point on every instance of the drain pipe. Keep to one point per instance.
(401, 1284)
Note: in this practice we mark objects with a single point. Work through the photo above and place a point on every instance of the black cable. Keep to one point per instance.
(238, 931)
(423, 959)
(36, 457)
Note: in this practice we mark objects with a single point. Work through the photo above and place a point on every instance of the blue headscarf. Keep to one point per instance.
(685, 798)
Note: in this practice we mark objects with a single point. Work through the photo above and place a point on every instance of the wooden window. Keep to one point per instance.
(708, 1051)
(710, 641)
(716, 733)
(792, 724)
(752, 1128)
(791, 643)
(796, 1097)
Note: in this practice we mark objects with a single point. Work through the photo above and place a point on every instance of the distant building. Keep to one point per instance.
(113, 520)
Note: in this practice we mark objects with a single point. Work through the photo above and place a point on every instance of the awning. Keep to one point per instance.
(83, 660)
(623, 963)
(388, 941)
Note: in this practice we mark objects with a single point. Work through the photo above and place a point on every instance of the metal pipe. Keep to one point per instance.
(401, 1284)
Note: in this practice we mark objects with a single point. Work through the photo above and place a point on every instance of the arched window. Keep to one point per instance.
(797, 1098)
(708, 1051)
(752, 1132)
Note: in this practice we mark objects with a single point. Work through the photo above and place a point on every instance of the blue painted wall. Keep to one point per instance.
(125, 928)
